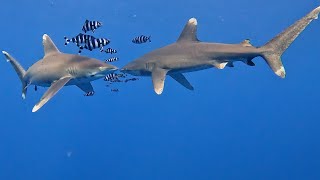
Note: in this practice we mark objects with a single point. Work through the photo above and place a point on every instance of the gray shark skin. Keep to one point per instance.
(57, 69)
(188, 54)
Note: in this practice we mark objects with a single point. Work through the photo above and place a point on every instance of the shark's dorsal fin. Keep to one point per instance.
(246, 43)
(180, 78)
(49, 47)
(158, 77)
(54, 88)
(189, 33)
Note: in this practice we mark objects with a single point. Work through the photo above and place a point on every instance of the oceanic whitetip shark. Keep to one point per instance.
(189, 54)
(57, 69)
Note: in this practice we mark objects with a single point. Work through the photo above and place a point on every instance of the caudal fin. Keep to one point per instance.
(274, 49)
(67, 41)
(19, 70)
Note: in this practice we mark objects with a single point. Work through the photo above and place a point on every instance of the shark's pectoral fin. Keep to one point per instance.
(189, 32)
(158, 77)
(49, 47)
(219, 65)
(180, 78)
(53, 89)
(87, 88)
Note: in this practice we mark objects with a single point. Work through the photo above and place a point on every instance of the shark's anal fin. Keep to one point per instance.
(189, 32)
(48, 45)
(180, 78)
(53, 89)
(158, 77)
(87, 88)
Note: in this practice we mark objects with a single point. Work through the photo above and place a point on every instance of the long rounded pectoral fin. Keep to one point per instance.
(53, 89)
(158, 77)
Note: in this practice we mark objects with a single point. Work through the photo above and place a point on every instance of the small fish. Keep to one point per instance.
(91, 93)
(91, 26)
(94, 44)
(115, 90)
(121, 75)
(79, 39)
(111, 51)
(131, 79)
(110, 77)
(141, 39)
(112, 59)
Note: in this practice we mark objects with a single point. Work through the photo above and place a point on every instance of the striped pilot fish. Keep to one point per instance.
(79, 39)
(111, 51)
(112, 59)
(94, 44)
(91, 26)
(141, 39)
(111, 77)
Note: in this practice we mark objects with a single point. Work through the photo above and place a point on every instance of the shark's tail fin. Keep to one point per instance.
(19, 70)
(273, 50)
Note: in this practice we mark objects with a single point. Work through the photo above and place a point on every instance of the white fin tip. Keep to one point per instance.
(193, 21)
(35, 108)
(281, 72)
(45, 36)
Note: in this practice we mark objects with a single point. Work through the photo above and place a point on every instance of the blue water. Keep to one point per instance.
(239, 123)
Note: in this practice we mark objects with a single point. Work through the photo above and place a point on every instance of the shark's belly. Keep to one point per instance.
(185, 65)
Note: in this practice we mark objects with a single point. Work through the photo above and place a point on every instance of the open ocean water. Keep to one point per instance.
(239, 123)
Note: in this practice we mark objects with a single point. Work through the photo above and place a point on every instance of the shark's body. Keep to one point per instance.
(57, 69)
(189, 54)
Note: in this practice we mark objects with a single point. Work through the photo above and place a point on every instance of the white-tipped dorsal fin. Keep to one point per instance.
(189, 32)
(246, 43)
(49, 46)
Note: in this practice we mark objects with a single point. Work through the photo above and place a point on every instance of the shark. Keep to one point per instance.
(189, 54)
(56, 70)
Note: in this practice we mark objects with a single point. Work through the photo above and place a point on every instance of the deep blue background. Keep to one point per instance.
(240, 123)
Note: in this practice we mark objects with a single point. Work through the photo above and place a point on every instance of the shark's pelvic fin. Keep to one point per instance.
(276, 47)
(230, 64)
(49, 47)
(86, 87)
(180, 78)
(246, 43)
(54, 88)
(189, 33)
(158, 77)
(19, 70)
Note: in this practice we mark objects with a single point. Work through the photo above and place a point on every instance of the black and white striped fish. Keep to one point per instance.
(112, 59)
(94, 44)
(79, 39)
(91, 26)
(141, 39)
(111, 51)
(111, 77)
